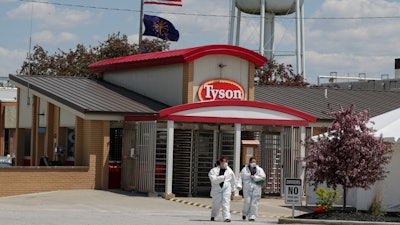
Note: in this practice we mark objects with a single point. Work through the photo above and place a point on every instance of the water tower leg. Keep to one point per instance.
(269, 29)
(262, 27)
(232, 23)
(303, 63)
(300, 38)
(238, 20)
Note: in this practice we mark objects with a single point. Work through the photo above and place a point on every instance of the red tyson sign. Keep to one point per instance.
(220, 89)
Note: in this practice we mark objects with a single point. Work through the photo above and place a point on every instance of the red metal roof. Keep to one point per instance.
(174, 113)
(173, 57)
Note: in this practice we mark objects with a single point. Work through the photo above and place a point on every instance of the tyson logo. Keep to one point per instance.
(220, 89)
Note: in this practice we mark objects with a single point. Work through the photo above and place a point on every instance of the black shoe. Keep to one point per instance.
(252, 220)
(212, 218)
(244, 217)
(227, 220)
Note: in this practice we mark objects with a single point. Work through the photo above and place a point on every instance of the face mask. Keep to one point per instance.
(253, 164)
(226, 165)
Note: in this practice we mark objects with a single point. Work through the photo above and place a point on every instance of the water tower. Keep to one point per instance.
(268, 9)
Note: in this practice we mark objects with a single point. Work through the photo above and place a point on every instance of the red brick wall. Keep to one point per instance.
(91, 171)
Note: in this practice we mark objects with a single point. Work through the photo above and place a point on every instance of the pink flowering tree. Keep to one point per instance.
(348, 154)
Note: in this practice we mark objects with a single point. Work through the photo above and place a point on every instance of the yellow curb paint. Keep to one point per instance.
(273, 215)
(197, 204)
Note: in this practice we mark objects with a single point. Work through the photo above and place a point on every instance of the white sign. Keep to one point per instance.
(293, 191)
(220, 89)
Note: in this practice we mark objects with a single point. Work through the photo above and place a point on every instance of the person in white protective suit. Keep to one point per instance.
(222, 187)
(251, 180)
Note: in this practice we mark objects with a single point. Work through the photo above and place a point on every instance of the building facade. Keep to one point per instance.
(157, 122)
(211, 113)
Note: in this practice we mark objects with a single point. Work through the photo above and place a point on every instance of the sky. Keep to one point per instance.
(342, 37)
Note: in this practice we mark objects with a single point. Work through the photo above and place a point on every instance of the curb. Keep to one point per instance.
(330, 222)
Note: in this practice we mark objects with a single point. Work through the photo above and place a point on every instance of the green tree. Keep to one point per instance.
(348, 154)
(75, 62)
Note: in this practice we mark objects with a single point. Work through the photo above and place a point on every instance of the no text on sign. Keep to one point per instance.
(293, 191)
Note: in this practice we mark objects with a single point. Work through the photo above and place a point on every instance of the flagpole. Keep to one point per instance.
(141, 25)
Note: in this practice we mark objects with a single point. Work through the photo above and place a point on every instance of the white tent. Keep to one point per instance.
(387, 124)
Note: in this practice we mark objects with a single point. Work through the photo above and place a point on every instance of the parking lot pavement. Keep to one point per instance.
(273, 207)
(87, 207)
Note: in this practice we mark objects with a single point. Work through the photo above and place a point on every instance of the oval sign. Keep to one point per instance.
(220, 89)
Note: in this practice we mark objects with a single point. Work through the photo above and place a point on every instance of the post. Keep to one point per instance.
(238, 137)
(170, 160)
(293, 211)
(141, 25)
(302, 164)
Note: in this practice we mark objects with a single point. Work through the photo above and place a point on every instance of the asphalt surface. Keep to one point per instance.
(87, 207)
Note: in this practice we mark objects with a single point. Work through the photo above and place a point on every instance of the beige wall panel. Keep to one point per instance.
(42, 113)
(162, 83)
(10, 120)
(67, 119)
(25, 109)
(207, 68)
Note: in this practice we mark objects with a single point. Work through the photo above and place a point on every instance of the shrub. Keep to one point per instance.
(327, 198)
(376, 207)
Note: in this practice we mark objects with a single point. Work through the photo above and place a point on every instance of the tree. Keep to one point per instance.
(75, 62)
(348, 154)
(274, 73)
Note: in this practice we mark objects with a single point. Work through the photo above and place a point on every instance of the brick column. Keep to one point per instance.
(49, 138)
(96, 140)
(34, 132)
(187, 89)
(250, 92)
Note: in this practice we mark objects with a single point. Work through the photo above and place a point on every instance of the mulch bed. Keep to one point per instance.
(351, 215)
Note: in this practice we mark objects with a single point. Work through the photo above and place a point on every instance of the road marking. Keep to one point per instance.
(198, 205)
(266, 214)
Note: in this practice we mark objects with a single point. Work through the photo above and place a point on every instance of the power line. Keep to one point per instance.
(207, 15)
(119, 9)
(353, 18)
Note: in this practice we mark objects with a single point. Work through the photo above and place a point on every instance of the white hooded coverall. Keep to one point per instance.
(221, 196)
(251, 190)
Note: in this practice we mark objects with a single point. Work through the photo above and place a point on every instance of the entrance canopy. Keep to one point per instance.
(243, 112)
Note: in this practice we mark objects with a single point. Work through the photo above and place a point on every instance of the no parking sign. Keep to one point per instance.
(293, 191)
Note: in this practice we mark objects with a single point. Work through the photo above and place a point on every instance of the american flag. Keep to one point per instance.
(164, 2)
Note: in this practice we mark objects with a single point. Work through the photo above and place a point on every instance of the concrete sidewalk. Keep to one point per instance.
(96, 207)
